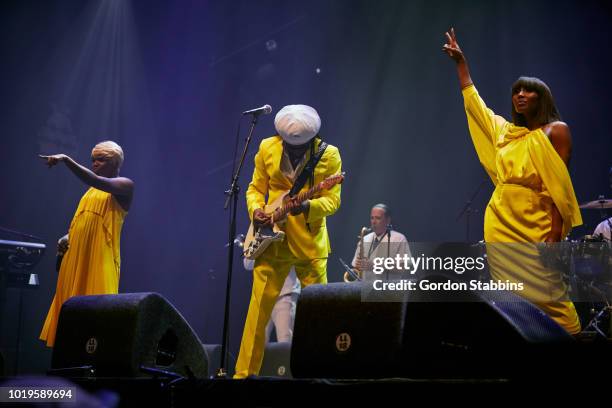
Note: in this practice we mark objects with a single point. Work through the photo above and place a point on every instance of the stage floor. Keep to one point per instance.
(278, 392)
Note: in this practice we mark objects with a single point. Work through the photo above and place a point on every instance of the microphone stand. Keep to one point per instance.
(468, 210)
(232, 202)
(389, 228)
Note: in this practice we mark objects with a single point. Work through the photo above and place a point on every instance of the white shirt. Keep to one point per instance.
(604, 229)
(378, 247)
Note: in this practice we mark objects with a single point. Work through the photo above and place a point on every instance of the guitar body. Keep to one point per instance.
(259, 239)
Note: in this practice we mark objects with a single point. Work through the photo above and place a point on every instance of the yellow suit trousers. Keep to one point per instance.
(271, 270)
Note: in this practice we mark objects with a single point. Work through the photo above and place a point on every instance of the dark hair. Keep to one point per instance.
(385, 208)
(547, 110)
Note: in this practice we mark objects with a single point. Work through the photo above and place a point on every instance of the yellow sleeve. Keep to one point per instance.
(484, 127)
(258, 188)
(556, 178)
(329, 200)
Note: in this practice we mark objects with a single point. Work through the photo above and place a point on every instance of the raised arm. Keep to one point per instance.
(484, 124)
(452, 49)
(118, 186)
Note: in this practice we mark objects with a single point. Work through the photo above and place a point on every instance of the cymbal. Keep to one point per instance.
(597, 204)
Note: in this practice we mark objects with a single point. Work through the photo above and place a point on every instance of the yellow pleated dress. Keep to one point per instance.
(92, 263)
(529, 177)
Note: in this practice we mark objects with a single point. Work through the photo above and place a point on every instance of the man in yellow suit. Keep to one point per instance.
(278, 163)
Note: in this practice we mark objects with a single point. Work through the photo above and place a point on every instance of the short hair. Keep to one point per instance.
(111, 150)
(547, 110)
(385, 208)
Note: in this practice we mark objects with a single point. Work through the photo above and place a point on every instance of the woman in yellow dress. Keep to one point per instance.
(91, 260)
(534, 200)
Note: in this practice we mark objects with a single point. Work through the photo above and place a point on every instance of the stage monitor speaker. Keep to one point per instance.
(126, 335)
(276, 360)
(430, 334)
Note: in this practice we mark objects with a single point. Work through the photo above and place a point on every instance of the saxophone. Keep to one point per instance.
(347, 277)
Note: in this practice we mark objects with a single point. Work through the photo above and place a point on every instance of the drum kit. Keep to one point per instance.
(600, 204)
(590, 275)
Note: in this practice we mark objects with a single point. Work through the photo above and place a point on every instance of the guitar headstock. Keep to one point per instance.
(332, 181)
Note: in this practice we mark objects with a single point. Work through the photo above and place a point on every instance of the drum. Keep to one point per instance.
(591, 259)
(591, 284)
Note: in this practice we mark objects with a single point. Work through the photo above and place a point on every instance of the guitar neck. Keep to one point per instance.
(281, 211)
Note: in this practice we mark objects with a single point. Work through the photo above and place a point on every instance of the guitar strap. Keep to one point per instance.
(307, 170)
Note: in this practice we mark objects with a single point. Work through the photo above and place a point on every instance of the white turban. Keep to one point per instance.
(297, 124)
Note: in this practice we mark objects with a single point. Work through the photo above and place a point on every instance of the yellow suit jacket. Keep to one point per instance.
(305, 241)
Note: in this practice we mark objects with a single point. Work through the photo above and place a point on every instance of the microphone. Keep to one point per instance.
(266, 109)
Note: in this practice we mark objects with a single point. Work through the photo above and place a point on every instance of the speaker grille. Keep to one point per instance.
(117, 334)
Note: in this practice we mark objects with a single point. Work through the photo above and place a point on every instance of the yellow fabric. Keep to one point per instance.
(271, 270)
(529, 176)
(305, 242)
(91, 264)
(306, 245)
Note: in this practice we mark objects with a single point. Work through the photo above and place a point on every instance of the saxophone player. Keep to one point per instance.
(383, 242)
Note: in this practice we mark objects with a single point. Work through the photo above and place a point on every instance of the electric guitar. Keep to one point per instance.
(258, 239)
